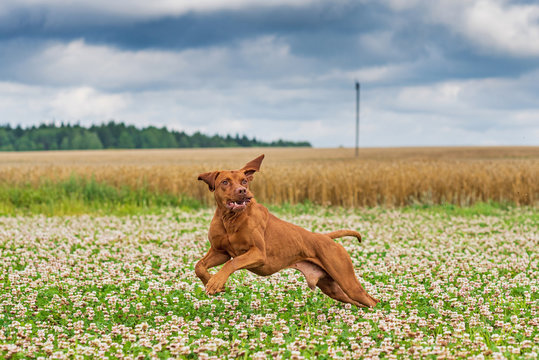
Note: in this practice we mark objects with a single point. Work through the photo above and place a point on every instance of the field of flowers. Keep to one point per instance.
(452, 285)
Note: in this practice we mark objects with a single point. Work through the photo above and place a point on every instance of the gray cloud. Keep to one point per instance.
(431, 72)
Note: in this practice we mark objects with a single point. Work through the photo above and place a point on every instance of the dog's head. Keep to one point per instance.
(231, 187)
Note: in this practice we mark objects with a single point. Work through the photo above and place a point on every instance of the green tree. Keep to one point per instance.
(24, 144)
(92, 141)
(86, 140)
(65, 144)
(125, 140)
(151, 138)
(116, 135)
(5, 140)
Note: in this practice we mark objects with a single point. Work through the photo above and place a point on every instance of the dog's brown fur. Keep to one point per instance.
(244, 235)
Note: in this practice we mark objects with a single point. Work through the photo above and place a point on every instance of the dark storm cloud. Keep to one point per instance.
(268, 61)
(329, 33)
(193, 29)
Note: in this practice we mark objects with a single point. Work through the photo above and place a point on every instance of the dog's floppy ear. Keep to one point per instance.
(252, 166)
(209, 178)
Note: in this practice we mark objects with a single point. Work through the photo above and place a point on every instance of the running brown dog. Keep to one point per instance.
(244, 235)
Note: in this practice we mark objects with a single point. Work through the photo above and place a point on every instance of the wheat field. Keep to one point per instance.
(379, 176)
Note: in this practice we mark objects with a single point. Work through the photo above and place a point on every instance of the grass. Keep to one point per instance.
(490, 208)
(77, 195)
(93, 286)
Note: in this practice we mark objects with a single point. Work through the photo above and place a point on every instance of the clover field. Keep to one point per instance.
(453, 284)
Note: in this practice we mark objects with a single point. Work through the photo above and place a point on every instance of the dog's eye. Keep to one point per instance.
(225, 182)
(244, 182)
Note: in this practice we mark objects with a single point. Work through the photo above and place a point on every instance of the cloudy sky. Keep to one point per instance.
(447, 72)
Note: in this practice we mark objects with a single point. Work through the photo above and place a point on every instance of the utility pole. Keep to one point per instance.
(357, 118)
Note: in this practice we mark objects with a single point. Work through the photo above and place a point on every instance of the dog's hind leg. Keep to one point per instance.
(333, 290)
(316, 276)
(337, 263)
(312, 272)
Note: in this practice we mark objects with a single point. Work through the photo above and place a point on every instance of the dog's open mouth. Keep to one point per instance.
(238, 204)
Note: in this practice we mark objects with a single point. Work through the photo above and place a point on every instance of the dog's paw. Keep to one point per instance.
(215, 291)
(215, 285)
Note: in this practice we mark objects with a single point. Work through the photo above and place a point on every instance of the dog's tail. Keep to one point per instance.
(341, 233)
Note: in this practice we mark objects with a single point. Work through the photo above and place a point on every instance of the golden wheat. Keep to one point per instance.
(389, 177)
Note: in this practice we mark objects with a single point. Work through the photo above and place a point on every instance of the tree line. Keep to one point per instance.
(118, 136)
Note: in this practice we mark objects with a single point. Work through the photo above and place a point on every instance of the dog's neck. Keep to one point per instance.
(232, 220)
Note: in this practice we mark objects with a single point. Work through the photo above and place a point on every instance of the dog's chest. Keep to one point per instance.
(229, 236)
(233, 245)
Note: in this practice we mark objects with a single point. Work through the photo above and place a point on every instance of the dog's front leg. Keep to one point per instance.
(212, 259)
(252, 258)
